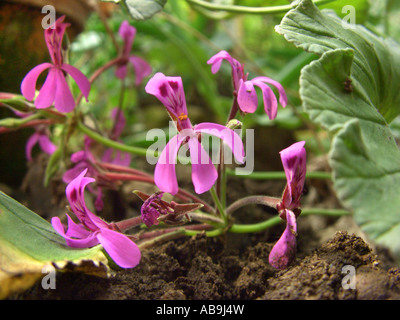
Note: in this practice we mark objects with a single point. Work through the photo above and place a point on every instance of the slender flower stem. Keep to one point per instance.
(219, 205)
(128, 224)
(98, 72)
(277, 175)
(110, 143)
(248, 10)
(256, 227)
(263, 200)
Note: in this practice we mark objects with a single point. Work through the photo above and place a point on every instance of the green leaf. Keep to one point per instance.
(352, 91)
(28, 243)
(366, 162)
(376, 62)
(144, 9)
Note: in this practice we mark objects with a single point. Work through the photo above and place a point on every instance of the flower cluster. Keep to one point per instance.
(91, 230)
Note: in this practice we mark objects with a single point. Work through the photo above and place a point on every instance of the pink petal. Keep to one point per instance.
(247, 97)
(282, 94)
(80, 79)
(28, 84)
(230, 137)
(294, 164)
(121, 249)
(64, 100)
(169, 90)
(46, 145)
(269, 99)
(33, 139)
(141, 67)
(48, 91)
(164, 173)
(75, 195)
(204, 173)
(86, 242)
(284, 251)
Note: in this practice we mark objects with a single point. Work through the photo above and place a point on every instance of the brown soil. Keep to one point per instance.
(203, 268)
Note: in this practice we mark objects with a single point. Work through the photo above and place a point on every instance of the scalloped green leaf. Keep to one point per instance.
(28, 243)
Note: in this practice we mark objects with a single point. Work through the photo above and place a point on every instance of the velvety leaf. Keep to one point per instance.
(28, 243)
(376, 62)
(144, 9)
(366, 162)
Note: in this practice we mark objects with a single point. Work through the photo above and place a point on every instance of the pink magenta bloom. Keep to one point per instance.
(294, 163)
(141, 67)
(169, 90)
(55, 88)
(92, 230)
(284, 251)
(246, 94)
(44, 142)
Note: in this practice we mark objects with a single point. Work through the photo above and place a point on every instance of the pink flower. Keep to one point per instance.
(294, 163)
(44, 141)
(284, 251)
(141, 67)
(55, 88)
(169, 90)
(244, 89)
(92, 230)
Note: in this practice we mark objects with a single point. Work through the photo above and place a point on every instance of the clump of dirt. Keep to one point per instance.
(202, 268)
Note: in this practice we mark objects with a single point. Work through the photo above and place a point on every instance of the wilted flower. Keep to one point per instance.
(92, 230)
(169, 90)
(55, 89)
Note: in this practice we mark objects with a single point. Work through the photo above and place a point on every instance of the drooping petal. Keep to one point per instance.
(269, 99)
(127, 33)
(204, 173)
(294, 164)
(121, 249)
(46, 145)
(28, 84)
(87, 242)
(284, 251)
(142, 68)
(282, 94)
(164, 173)
(81, 80)
(64, 100)
(33, 139)
(76, 230)
(247, 97)
(230, 137)
(237, 67)
(48, 91)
